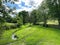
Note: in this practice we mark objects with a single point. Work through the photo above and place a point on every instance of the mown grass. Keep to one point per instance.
(34, 35)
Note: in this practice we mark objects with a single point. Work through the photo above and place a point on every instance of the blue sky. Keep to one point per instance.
(27, 5)
(17, 5)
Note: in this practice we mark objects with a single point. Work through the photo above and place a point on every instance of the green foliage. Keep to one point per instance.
(19, 20)
(8, 26)
(24, 16)
(54, 8)
(43, 11)
(33, 16)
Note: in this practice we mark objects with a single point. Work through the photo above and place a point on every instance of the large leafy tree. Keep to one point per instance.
(24, 15)
(43, 11)
(33, 17)
(4, 11)
(54, 8)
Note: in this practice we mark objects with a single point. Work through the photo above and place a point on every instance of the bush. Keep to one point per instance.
(7, 26)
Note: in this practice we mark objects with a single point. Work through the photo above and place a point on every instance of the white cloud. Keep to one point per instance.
(35, 4)
(26, 2)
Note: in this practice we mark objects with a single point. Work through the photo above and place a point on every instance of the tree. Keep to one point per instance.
(24, 15)
(4, 12)
(54, 8)
(43, 10)
(34, 17)
(1, 14)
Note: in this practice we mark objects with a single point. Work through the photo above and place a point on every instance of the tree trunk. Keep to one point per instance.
(45, 21)
(34, 23)
(35, 20)
(59, 21)
(23, 21)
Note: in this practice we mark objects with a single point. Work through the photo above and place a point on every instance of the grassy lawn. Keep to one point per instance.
(34, 35)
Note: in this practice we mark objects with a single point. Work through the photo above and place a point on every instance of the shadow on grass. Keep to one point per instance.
(54, 26)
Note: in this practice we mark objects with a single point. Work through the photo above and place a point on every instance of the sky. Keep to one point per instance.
(27, 5)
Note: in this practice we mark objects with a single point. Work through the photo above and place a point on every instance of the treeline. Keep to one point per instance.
(48, 10)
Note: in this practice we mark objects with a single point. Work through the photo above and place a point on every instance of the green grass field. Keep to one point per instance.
(34, 35)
